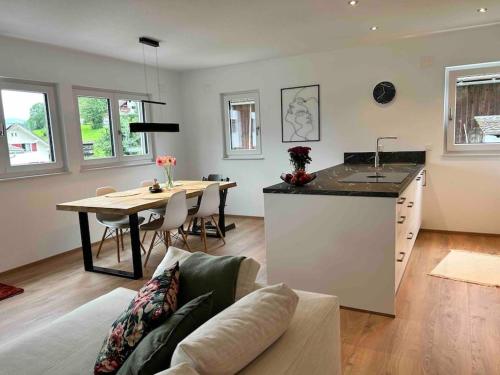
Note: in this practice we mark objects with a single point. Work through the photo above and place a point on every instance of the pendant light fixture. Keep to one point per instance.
(136, 127)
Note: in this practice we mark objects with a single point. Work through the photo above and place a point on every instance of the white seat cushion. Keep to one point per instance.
(119, 223)
(236, 336)
(70, 344)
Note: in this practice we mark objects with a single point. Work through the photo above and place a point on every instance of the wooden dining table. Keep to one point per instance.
(130, 203)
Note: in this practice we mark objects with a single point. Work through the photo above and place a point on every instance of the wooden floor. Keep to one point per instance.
(442, 326)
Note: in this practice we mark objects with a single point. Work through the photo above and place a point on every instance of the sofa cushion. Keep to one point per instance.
(233, 338)
(68, 345)
(202, 273)
(154, 352)
(310, 345)
(247, 274)
(152, 305)
(180, 369)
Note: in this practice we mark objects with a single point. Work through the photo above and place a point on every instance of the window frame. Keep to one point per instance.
(50, 90)
(449, 115)
(119, 159)
(242, 96)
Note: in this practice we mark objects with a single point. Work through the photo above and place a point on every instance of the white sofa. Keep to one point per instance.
(70, 344)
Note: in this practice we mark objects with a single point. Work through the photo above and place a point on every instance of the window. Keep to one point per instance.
(472, 109)
(241, 125)
(30, 139)
(104, 119)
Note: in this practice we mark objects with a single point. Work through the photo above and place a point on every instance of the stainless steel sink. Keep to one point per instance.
(376, 177)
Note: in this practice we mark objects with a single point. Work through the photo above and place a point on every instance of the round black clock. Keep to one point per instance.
(384, 92)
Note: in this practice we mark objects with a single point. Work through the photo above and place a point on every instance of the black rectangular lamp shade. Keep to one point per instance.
(150, 127)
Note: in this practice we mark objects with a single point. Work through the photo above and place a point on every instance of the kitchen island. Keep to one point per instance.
(349, 239)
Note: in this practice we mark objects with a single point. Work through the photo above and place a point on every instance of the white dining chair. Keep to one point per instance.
(114, 224)
(208, 208)
(175, 216)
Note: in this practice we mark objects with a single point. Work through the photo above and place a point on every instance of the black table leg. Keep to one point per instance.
(222, 215)
(87, 249)
(135, 241)
(86, 243)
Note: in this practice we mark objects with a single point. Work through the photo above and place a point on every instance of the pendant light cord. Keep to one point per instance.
(145, 69)
(158, 74)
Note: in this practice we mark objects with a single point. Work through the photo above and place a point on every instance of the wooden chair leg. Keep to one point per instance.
(143, 249)
(184, 237)
(150, 248)
(117, 244)
(218, 229)
(204, 234)
(102, 241)
(189, 224)
(121, 239)
(169, 240)
(146, 232)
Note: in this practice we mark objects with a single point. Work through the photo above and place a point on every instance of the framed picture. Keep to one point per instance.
(300, 118)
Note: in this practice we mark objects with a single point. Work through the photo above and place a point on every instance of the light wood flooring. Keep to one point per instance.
(442, 326)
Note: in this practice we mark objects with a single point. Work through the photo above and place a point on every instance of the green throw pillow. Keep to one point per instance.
(202, 273)
(154, 352)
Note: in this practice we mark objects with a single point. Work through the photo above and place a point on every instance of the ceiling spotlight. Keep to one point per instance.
(353, 3)
(482, 10)
(374, 28)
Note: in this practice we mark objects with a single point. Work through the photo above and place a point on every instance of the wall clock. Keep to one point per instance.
(384, 92)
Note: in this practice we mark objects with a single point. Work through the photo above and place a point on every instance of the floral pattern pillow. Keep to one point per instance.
(152, 305)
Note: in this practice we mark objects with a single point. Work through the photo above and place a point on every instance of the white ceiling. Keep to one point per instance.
(206, 33)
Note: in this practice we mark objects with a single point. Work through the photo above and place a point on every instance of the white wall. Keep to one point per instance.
(30, 226)
(462, 193)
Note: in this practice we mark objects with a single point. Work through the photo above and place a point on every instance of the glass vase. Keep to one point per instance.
(169, 183)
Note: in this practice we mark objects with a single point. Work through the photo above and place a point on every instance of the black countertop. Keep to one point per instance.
(327, 181)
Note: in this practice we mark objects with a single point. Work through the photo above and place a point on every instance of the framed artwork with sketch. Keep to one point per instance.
(300, 119)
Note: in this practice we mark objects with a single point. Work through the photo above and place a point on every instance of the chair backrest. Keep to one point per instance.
(176, 211)
(103, 191)
(147, 183)
(210, 201)
(213, 177)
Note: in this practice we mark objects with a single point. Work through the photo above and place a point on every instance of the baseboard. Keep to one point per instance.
(41, 261)
(244, 216)
(460, 232)
(367, 311)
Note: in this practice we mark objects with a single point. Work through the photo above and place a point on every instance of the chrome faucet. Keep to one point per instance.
(377, 157)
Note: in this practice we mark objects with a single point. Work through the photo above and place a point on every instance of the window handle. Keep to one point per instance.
(257, 129)
(2, 130)
(450, 114)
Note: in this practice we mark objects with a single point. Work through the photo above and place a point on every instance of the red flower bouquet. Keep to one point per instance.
(299, 158)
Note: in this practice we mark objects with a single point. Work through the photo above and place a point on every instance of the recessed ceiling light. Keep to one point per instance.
(482, 10)
(374, 28)
(353, 3)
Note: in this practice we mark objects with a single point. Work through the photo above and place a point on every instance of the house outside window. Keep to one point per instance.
(242, 129)
(472, 109)
(30, 134)
(104, 117)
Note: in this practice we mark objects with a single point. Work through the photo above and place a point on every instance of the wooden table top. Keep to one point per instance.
(132, 201)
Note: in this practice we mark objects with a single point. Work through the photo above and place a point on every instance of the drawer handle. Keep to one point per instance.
(410, 236)
(402, 256)
(401, 219)
(401, 200)
(419, 178)
(410, 204)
